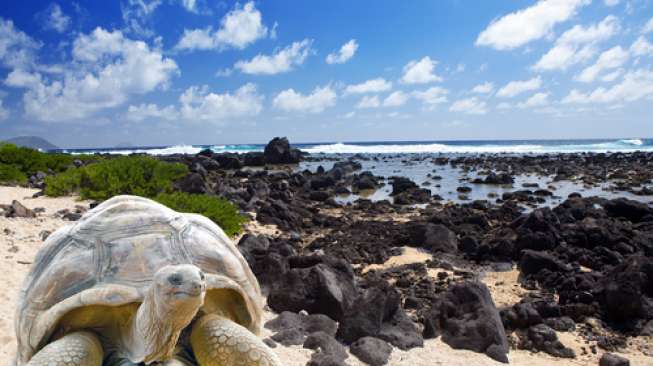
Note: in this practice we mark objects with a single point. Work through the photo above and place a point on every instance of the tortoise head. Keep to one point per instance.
(179, 287)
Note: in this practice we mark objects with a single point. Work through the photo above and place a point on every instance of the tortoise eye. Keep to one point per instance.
(175, 279)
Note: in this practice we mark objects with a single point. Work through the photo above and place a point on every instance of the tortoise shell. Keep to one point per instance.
(108, 258)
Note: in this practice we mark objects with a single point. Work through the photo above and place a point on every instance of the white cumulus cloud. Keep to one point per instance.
(536, 100)
(197, 104)
(432, 96)
(648, 27)
(471, 105)
(577, 45)
(515, 88)
(608, 60)
(420, 72)
(343, 55)
(107, 68)
(17, 49)
(53, 18)
(641, 47)
(635, 85)
(238, 29)
(370, 86)
(317, 101)
(523, 26)
(485, 88)
(396, 99)
(369, 102)
(282, 60)
(611, 2)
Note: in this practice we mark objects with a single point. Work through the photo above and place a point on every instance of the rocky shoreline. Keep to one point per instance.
(585, 263)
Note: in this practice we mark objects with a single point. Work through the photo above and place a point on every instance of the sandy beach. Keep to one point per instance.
(20, 240)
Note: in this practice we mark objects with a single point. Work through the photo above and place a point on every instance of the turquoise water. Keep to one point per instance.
(411, 147)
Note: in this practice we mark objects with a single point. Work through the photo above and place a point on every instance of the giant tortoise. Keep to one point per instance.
(134, 282)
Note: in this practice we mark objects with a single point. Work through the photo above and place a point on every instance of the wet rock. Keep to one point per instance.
(402, 184)
(609, 359)
(278, 151)
(629, 209)
(413, 196)
(467, 318)
(493, 178)
(372, 351)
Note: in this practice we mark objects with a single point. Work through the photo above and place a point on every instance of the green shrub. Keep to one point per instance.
(137, 175)
(217, 209)
(29, 161)
(63, 184)
(9, 174)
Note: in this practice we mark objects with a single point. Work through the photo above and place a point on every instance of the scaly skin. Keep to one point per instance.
(74, 349)
(217, 341)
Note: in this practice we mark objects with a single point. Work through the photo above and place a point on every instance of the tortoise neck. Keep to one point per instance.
(156, 327)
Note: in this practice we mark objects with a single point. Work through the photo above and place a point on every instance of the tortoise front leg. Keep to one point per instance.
(74, 349)
(218, 341)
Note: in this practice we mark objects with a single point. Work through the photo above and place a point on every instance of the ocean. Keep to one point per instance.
(408, 147)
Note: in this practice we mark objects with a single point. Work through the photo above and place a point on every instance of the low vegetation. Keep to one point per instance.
(137, 175)
(218, 209)
(147, 177)
(17, 164)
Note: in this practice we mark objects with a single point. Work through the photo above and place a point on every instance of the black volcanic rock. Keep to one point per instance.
(631, 210)
(434, 237)
(278, 151)
(467, 318)
(316, 284)
(372, 351)
(401, 184)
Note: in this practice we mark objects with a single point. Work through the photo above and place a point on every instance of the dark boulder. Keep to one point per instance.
(627, 291)
(434, 237)
(278, 151)
(372, 351)
(316, 284)
(192, 183)
(467, 318)
(328, 351)
(629, 209)
(541, 337)
(532, 262)
(376, 312)
(402, 184)
(293, 328)
(609, 359)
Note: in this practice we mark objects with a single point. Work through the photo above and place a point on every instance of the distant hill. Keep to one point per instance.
(34, 142)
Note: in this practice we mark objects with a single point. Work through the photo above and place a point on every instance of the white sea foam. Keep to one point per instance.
(340, 148)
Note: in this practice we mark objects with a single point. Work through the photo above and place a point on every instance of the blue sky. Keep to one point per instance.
(158, 72)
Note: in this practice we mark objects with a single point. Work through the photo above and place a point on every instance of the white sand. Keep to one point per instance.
(19, 242)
